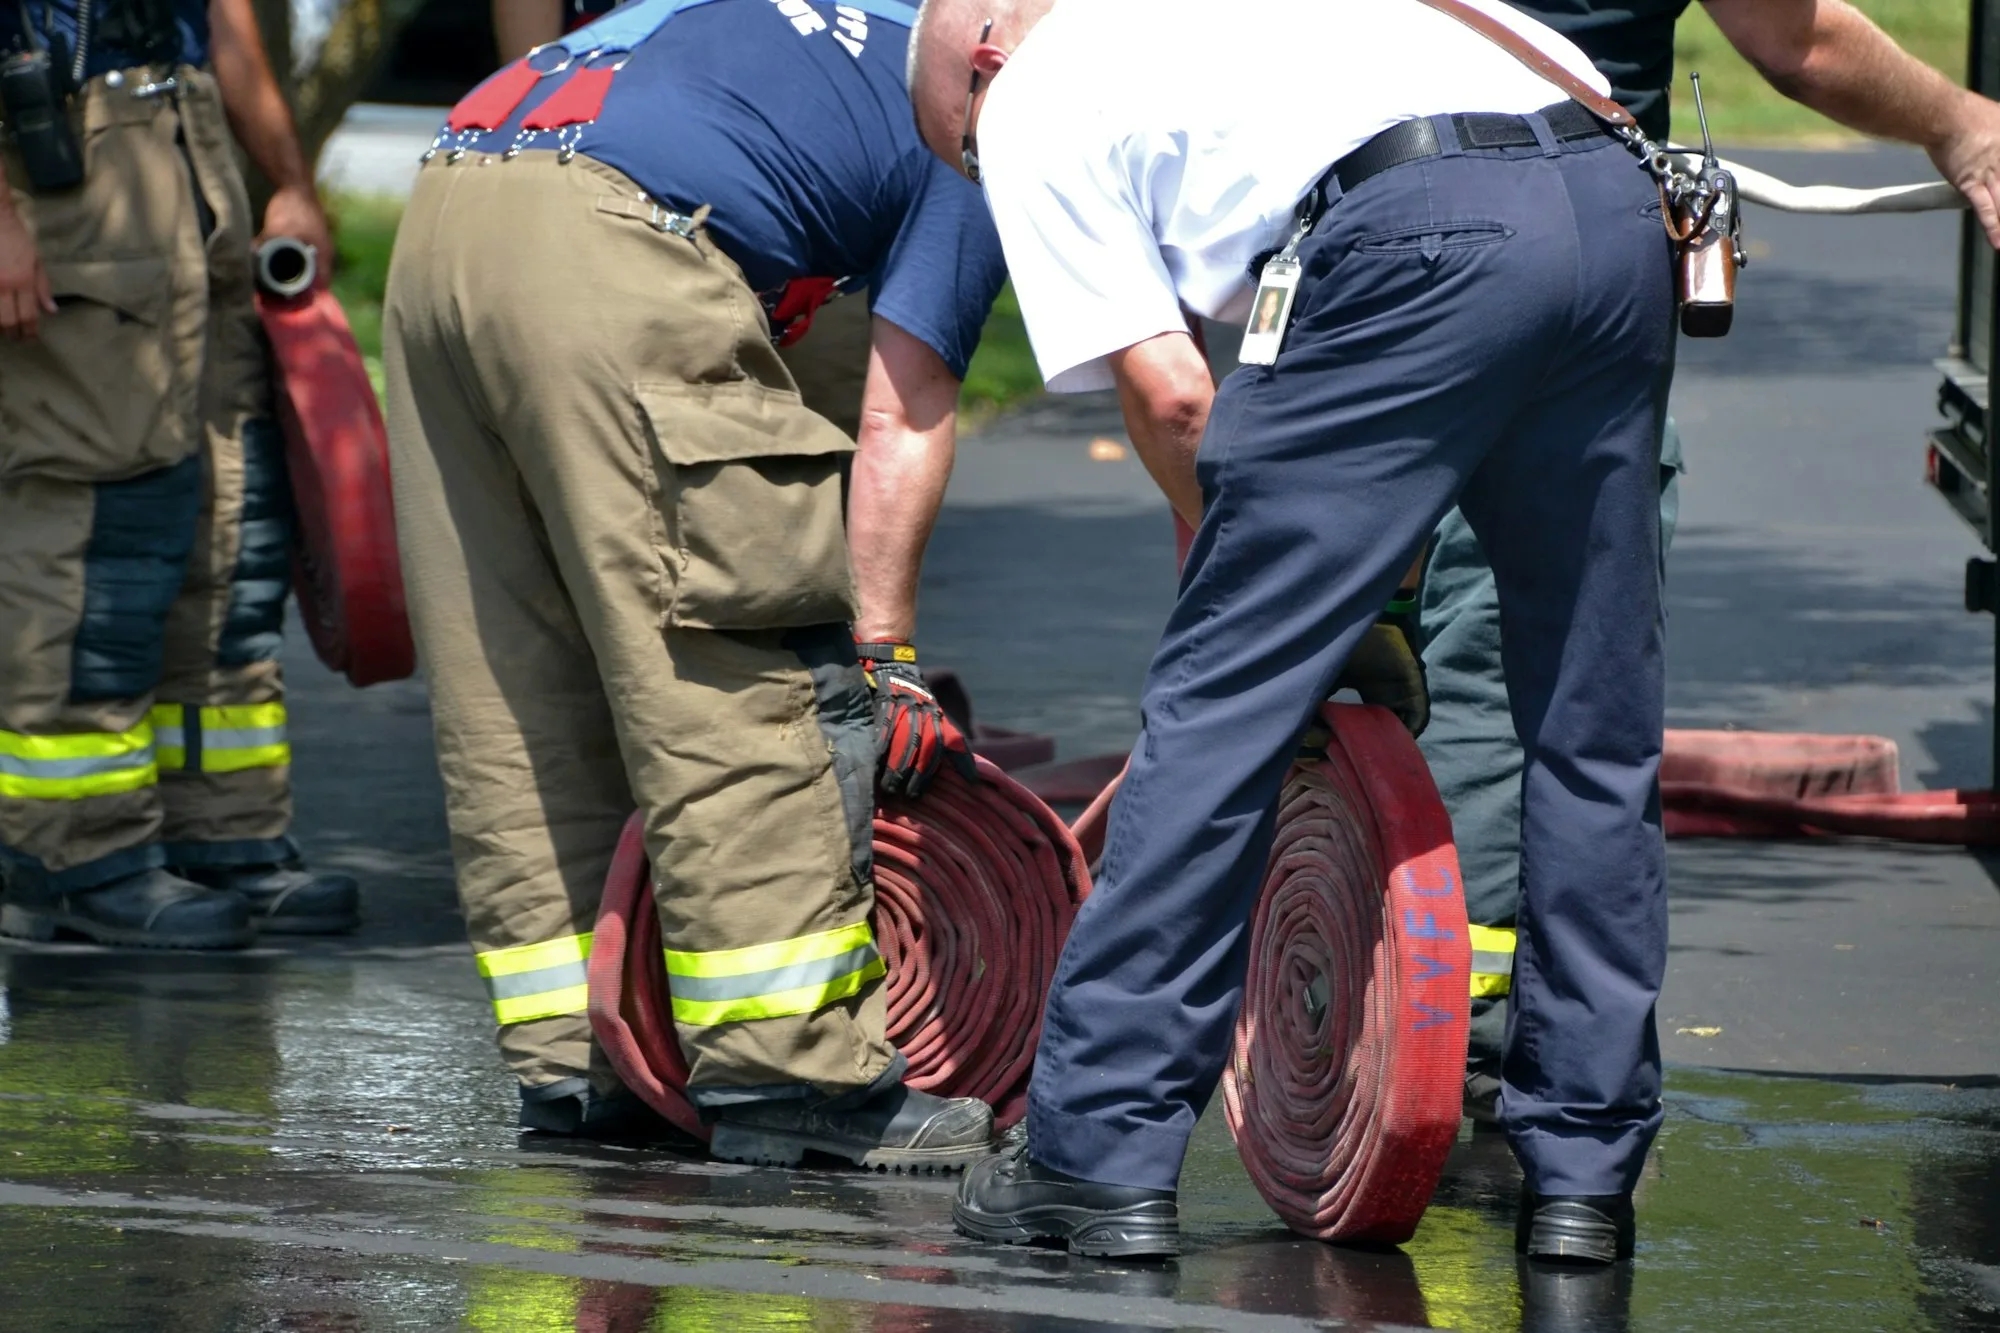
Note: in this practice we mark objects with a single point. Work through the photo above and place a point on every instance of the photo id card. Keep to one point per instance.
(1270, 313)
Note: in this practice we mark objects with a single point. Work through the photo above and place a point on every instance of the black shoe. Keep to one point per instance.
(1577, 1228)
(898, 1129)
(1559, 1297)
(288, 899)
(1012, 1199)
(153, 909)
(570, 1108)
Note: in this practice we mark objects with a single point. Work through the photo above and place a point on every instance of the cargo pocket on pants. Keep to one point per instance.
(92, 397)
(751, 495)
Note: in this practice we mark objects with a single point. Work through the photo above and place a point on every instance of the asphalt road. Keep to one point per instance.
(318, 1136)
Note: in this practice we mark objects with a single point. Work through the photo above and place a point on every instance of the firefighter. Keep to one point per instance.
(145, 523)
(1829, 56)
(623, 530)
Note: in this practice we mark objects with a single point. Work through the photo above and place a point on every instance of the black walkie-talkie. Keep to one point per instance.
(35, 89)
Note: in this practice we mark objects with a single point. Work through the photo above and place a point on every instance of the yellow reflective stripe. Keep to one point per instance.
(234, 716)
(535, 957)
(77, 789)
(544, 1004)
(769, 957)
(80, 745)
(77, 766)
(530, 981)
(236, 760)
(235, 737)
(1492, 961)
(169, 735)
(781, 1004)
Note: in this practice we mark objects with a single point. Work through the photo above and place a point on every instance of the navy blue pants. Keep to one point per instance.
(1490, 328)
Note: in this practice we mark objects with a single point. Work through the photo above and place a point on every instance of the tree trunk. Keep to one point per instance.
(362, 35)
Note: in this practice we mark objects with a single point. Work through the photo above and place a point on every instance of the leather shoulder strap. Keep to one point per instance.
(1535, 59)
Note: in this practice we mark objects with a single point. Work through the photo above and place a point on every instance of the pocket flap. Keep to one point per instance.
(139, 288)
(733, 421)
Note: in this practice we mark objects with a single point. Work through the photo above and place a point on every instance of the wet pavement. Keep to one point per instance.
(317, 1136)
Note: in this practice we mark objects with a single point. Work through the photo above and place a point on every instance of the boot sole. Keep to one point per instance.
(1147, 1230)
(1575, 1240)
(763, 1147)
(41, 927)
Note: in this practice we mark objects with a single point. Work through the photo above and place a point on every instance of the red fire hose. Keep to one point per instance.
(975, 888)
(1344, 1091)
(347, 573)
(1760, 784)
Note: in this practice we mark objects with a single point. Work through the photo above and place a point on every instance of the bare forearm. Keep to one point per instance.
(1165, 390)
(896, 492)
(1829, 56)
(258, 116)
(909, 424)
(519, 26)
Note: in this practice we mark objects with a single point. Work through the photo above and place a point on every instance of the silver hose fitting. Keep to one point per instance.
(286, 267)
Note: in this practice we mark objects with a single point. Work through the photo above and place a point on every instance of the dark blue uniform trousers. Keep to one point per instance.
(1490, 328)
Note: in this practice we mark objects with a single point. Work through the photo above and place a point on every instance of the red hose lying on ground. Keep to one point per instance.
(1344, 1091)
(1755, 784)
(975, 888)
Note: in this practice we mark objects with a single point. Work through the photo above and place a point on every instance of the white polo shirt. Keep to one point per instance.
(1138, 156)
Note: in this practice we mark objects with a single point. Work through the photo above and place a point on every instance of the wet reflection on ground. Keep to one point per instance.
(322, 1143)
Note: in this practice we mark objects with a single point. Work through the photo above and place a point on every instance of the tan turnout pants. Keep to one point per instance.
(624, 545)
(144, 514)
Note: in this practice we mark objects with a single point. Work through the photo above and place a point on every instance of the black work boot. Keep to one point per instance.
(1011, 1198)
(571, 1108)
(153, 909)
(286, 898)
(896, 1129)
(1575, 1228)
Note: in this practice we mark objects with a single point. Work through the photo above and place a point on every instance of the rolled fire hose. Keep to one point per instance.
(1346, 1080)
(345, 567)
(975, 889)
(1345, 1088)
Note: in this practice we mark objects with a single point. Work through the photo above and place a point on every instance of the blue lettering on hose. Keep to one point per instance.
(1433, 969)
(1445, 890)
(1432, 1016)
(1425, 927)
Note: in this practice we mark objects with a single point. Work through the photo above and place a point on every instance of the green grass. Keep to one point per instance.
(1742, 108)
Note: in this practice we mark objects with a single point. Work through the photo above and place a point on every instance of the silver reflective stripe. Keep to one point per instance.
(517, 984)
(56, 769)
(1493, 964)
(170, 738)
(240, 738)
(772, 981)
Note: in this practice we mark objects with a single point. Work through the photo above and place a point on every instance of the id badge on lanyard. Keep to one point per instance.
(1271, 312)
(1277, 286)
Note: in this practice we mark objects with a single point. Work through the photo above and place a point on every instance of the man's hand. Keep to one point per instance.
(1387, 666)
(1831, 57)
(296, 212)
(913, 737)
(1969, 157)
(24, 286)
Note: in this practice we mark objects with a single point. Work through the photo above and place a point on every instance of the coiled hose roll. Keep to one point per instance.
(1345, 1087)
(975, 889)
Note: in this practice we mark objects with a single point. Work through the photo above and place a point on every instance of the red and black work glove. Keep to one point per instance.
(1387, 667)
(913, 737)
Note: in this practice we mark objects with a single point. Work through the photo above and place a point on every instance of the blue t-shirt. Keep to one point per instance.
(797, 132)
(123, 33)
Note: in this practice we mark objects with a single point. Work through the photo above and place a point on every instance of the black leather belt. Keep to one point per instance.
(1415, 140)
